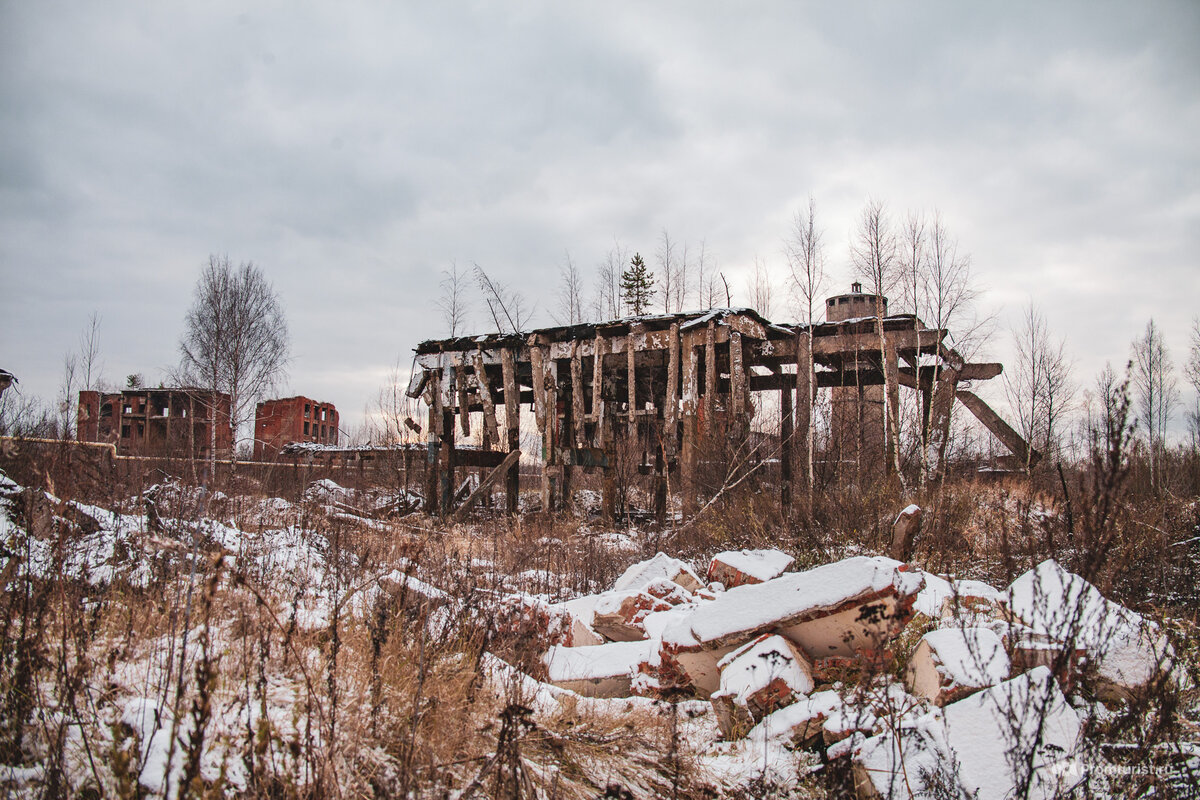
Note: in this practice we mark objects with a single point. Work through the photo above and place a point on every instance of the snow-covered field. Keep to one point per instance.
(178, 644)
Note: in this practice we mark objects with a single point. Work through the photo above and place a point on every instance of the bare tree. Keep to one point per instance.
(914, 244)
(760, 288)
(1102, 418)
(947, 295)
(671, 275)
(570, 295)
(874, 254)
(805, 252)
(946, 300)
(67, 400)
(914, 241)
(235, 341)
(391, 418)
(1039, 385)
(506, 305)
(453, 301)
(685, 277)
(25, 416)
(1060, 394)
(1157, 392)
(608, 282)
(1192, 370)
(89, 353)
(706, 287)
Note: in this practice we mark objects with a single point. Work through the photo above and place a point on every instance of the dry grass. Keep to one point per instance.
(342, 678)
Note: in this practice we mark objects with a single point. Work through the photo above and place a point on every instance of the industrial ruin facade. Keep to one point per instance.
(156, 422)
(661, 394)
(292, 419)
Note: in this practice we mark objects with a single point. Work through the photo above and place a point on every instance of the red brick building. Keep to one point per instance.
(292, 419)
(156, 422)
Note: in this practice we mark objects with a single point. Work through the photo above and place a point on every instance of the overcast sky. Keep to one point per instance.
(353, 151)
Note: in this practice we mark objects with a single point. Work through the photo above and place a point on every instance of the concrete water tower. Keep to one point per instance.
(857, 411)
(851, 306)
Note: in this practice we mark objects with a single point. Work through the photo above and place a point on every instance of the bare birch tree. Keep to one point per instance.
(570, 294)
(453, 301)
(708, 280)
(1157, 393)
(506, 306)
(89, 353)
(685, 277)
(1192, 371)
(875, 257)
(805, 252)
(67, 400)
(608, 282)
(760, 289)
(235, 341)
(946, 300)
(1039, 385)
(914, 242)
(948, 294)
(670, 278)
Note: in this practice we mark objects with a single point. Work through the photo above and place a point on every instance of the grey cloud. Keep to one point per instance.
(354, 151)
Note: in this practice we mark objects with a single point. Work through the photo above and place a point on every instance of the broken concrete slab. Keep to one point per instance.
(951, 663)
(582, 612)
(799, 723)
(763, 675)
(1025, 715)
(604, 670)
(963, 750)
(932, 596)
(619, 616)
(740, 567)
(1127, 650)
(639, 575)
(871, 707)
(852, 607)
(973, 600)
(1028, 649)
(525, 626)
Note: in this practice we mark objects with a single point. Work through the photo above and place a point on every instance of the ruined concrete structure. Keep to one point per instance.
(156, 422)
(655, 392)
(856, 411)
(292, 419)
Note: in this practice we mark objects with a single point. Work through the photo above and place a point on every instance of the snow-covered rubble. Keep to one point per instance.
(642, 574)
(759, 677)
(1065, 612)
(738, 567)
(1002, 742)
(603, 670)
(798, 668)
(761, 651)
(952, 662)
(621, 615)
(840, 609)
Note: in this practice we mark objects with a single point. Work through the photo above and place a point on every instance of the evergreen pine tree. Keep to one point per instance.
(637, 286)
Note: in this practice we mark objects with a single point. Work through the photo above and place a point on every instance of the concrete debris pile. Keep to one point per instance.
(803, 660)
(739, 567)
(1056, 612)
